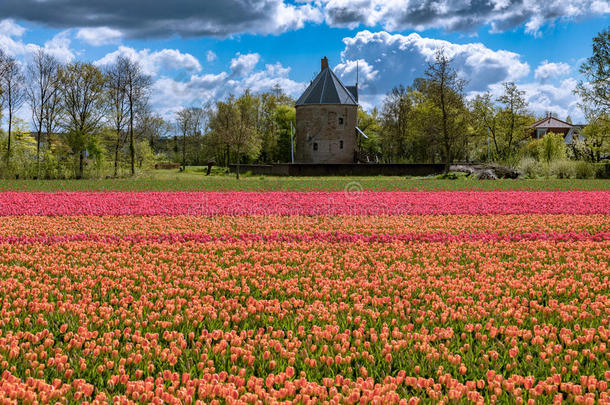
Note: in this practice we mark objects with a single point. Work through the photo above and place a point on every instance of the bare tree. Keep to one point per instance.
(116, 93)
(82, 87)
(184, 122)
(151, 126)
(53, 111)
(42, 88)
(137, 86)
(396, 120)
(445, 90)
(12, 83)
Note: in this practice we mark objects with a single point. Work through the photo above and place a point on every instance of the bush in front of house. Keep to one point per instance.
(530, 168)
(584, 170)
(562, 169)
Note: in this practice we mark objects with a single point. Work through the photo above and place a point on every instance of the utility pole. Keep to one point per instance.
(291, 144)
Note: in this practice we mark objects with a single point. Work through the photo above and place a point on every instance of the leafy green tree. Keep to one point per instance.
(513, 119)
(484, 113)
(283, 116)
(370, 124)
(23, 150)
(500, 126)
(551, 147)
(594, 90)
(244, 135)
(222, 122)
(267, 125)
(444, 90)
(595, 141)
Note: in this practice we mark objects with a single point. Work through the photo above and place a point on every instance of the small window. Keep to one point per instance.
(340, 120)
(340, 144)
(315, 146)
(540, 132)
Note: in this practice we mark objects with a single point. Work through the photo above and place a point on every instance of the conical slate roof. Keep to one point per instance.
(326, 88)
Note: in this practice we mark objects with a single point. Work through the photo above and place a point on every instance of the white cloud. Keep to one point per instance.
(171, 94)
(357, 70)
(558, 98)
(10, 42)
(9, 28)
(59, 46)
(548, 70)
(242, 65)
(266, 79)
(387, 60)
(99, 36)
(154, 62)
(210, 56)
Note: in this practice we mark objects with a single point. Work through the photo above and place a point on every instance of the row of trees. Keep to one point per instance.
(433, 121)
(252, 127)
(91, 121)
(74, 110)
(84, 117)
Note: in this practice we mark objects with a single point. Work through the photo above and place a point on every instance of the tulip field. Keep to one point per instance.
(331, 297)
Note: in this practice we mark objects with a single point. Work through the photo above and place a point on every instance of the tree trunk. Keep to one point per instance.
(184, 152)
(8, 149)
(116, 154)
(81, 159)
(237, 167)
(132, 148)
(39, 135)
(445, 132)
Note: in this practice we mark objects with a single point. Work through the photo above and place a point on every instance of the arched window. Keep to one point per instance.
(315, 146)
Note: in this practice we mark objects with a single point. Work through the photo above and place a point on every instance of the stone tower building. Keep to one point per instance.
(327, 115)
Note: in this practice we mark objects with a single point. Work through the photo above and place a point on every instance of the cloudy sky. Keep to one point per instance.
(200, 50)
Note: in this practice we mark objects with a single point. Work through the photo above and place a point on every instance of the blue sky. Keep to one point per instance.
(198, 51)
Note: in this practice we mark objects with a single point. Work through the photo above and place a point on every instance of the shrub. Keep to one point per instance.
(530, 150)
(584, 170)
(602, 170)
(530, 168)
(562, 169)
(551, 147)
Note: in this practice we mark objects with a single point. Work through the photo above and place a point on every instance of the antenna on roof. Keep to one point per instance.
(357, 73)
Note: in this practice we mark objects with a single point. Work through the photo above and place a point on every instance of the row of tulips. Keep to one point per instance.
(42, 226)
(332, 237)
(307, 203)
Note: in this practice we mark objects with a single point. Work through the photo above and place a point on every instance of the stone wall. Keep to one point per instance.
(326, 133)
